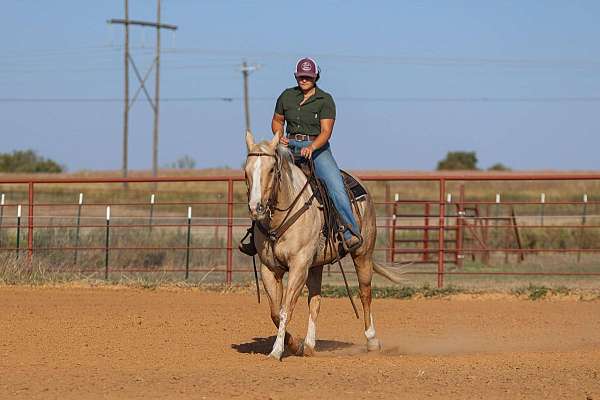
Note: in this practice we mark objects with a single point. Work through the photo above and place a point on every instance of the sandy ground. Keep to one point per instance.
(79, 343)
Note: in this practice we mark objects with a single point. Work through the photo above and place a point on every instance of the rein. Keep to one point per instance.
(274, 234)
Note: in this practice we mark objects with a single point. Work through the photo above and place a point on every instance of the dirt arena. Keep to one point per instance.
(112, 343)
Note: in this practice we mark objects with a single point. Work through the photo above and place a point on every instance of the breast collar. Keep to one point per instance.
(273, 234)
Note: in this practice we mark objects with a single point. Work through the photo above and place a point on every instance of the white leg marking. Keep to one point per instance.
(311, 334)
(277, 351)
(373, 344)
(370, 333)
(256, 187)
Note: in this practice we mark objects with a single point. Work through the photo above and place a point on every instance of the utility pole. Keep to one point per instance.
(154, 103)
(126, 105)
(246, 69)
(156, 97)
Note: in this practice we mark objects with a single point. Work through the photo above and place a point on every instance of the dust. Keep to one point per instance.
(463, 342)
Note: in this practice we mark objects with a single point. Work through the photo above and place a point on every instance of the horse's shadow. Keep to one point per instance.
(260, 345)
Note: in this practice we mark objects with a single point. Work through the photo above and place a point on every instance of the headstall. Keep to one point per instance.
(273, 234)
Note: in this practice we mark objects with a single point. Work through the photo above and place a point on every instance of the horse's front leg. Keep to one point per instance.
(273, 285)
(297, 279)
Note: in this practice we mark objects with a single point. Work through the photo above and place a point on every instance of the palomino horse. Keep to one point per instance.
(278, 189)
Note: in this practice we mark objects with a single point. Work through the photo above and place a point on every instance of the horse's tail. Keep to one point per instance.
(383, 271)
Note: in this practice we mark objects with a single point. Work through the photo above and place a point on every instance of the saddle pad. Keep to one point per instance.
(357, 189)
(359, 192)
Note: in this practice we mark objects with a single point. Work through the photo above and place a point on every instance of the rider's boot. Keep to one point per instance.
(352, 241)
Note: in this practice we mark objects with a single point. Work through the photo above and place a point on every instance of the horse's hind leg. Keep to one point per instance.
(274, 287)
(315, 276)
(364, 272)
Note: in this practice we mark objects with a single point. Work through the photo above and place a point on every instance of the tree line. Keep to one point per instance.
(465, 161)
(28, 161)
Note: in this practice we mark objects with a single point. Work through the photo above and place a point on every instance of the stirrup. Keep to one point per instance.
(248, 248)
(350, 248)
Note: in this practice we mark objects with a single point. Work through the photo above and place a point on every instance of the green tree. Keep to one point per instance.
(499, 167)
(28, 161)
(458, 160)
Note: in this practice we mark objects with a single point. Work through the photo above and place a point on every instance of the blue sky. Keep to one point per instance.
(516, 81)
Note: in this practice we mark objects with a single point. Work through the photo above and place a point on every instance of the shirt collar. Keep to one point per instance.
(319, 94)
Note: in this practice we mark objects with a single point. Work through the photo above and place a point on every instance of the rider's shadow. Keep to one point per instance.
(260, 345)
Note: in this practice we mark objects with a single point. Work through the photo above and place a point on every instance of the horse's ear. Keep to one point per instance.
(275, 140)
(249, 140)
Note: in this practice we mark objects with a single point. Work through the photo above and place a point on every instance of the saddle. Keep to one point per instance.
(359, 192)
(352, 185)
(356, 192)
(332, 227)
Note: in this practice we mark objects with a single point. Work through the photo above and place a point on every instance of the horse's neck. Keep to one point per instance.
(292, 183)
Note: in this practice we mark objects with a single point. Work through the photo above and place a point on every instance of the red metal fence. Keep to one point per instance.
(450, 229)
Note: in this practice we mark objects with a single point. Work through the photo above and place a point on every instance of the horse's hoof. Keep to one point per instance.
(274, 356)
(308, 351)
(374, 345)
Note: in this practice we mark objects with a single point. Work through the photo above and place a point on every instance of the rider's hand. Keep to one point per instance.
(284, 141)
(306, 152)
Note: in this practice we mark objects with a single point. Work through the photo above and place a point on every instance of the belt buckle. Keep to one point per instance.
(299, 137)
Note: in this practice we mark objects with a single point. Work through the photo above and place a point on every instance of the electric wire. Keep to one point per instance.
(355, 58)
(590, 99)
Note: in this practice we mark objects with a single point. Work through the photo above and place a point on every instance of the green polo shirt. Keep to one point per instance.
(305, 118)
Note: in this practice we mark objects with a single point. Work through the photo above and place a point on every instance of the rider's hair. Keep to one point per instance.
(316, 79)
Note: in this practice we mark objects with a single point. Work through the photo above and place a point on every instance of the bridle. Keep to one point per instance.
(272, 200)
(273, 234)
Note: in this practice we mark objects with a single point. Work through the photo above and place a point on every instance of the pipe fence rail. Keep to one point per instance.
(428, 222)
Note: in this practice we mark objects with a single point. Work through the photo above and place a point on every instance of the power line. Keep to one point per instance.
(357, 58)
(63, 51)
(96, 69)
(582, 99)
(375, 59)
(106, 99)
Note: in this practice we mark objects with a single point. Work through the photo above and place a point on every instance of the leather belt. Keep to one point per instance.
(301, 137)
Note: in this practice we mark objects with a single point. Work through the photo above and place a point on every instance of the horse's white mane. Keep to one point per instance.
(296, 176)
(285, 154)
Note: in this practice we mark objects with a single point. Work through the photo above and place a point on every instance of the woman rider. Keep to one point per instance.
(309, 115)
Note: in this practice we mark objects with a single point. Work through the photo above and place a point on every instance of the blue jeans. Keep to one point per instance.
(327, 169)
